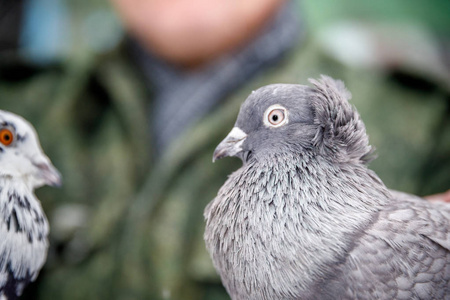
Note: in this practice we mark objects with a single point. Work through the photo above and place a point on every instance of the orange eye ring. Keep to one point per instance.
(6, 136)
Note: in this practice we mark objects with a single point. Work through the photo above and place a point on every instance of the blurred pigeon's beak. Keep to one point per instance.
(49, 174)
(231, 145)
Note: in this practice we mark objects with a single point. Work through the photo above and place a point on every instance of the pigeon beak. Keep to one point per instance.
(231, 145)
(49, 174)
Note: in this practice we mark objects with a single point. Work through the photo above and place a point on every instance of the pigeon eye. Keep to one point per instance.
(6, 137)
(275, 116)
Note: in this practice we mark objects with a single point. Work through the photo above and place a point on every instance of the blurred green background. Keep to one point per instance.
(128, 223)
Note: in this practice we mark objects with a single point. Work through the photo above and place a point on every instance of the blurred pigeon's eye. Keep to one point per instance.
(275, 116)
(6, 137)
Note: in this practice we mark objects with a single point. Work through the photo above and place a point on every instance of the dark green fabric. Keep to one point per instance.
(143, 235)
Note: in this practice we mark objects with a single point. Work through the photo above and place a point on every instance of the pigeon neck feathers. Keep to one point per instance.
(23, 230)
(300, 209)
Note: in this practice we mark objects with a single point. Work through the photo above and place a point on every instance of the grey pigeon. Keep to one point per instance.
(23, 225)
(304, 217)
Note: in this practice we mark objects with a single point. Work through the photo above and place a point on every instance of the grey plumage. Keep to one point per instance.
(304, 217)
(23, 225)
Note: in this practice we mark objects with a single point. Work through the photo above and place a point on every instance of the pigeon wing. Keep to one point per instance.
(405, 254)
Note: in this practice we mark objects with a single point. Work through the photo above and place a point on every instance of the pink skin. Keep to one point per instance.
(193, 32)
(444, 197)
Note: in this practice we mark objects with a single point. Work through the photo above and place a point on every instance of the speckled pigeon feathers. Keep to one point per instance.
(23, 225)
(304, 217)
(23, 230)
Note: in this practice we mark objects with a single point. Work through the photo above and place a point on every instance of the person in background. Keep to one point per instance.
(132, 113)
(193, 58)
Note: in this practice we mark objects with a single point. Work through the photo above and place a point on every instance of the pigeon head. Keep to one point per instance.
(21, 156)
(297, 118)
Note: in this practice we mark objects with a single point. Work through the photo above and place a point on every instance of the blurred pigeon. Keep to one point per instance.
(23, 225)
(304, 218)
